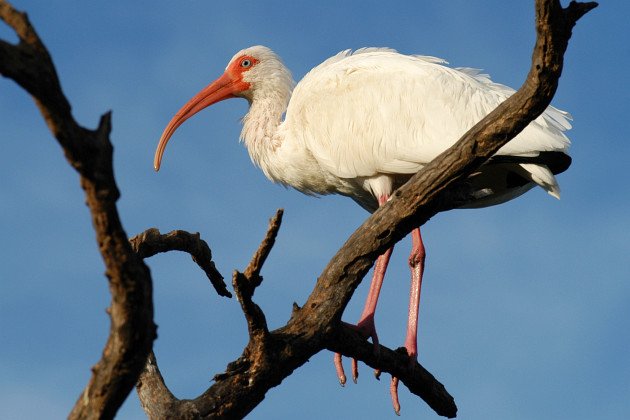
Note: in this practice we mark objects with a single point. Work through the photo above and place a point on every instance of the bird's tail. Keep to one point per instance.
(541, 175)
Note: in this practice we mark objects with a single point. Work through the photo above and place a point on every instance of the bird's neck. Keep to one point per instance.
(260, 126)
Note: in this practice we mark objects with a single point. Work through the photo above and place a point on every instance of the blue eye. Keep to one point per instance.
(246, 63)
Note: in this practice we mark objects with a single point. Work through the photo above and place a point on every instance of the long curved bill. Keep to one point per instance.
(223, 88)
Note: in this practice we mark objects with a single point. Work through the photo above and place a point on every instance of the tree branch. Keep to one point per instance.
(351, 343)
(252, 271)
(156, 398)
(90, 152)
(245, 284)
(151, 242)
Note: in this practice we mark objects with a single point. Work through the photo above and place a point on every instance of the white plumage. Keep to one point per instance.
(361, 123)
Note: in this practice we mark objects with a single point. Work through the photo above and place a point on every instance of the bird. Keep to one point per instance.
(361, 123)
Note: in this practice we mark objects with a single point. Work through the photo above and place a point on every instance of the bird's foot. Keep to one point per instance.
(366, 327)
(393, 386)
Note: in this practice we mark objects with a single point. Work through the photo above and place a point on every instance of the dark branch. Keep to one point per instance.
(245, 283)
(350, 343)
(151, 242)
(256, 321)
(255, 265)
(154, 395)
(90, 152)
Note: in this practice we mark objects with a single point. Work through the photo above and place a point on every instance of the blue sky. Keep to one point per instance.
(524, 309)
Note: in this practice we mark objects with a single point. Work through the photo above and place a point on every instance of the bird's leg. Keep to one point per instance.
(416, 265)
(366, 322)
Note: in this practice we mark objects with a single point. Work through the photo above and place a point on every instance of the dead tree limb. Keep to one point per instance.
(419, 381)
(151, 242)
(246, 283)
(157, 400)
(90, 152)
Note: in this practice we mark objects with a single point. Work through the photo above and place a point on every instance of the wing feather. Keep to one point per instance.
(375, 111)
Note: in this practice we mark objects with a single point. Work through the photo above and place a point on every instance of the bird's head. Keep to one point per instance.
(251, 71)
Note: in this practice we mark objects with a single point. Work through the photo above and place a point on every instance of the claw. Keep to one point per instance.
(393, 386)
(339, 368)
(416, 264)
(393, 390)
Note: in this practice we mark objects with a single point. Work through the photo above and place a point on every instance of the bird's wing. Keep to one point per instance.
(376, 111)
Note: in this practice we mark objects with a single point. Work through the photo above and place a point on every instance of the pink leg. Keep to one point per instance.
(416, 264)
(366, 321)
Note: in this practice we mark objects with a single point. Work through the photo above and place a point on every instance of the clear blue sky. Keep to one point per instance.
(525, 306)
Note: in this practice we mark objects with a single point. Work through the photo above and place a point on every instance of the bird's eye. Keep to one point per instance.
(246, 63)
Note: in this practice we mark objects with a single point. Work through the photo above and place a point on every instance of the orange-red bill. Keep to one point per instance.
(223, 88)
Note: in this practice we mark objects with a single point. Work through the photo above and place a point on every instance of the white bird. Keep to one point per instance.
(361, 123)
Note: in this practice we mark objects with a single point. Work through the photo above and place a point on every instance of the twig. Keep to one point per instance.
(151, 242)
(252, 271)
(245, 283)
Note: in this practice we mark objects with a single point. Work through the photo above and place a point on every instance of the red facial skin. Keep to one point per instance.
(229, 85)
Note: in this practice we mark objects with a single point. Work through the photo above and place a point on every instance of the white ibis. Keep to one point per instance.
(362, 123)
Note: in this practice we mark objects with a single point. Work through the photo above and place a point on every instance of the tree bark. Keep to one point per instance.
(90, 152)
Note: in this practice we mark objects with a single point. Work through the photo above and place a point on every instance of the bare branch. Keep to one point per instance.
(154, 395)
(349, 342)
(90, 153)
(151, 242)
(253, 269)
(156, 399)
(256, 321)
(245, 283)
